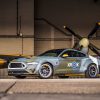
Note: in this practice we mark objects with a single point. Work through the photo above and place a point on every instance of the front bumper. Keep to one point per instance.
(16, 72)
(21, 68)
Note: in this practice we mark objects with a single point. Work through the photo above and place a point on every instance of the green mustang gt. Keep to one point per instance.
(55, 62)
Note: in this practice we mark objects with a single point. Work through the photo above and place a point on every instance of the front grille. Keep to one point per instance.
(16, 65)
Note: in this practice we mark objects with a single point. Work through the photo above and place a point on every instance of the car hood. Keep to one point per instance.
(34, 59)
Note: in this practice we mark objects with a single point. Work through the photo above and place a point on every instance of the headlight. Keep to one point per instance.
(33, 63)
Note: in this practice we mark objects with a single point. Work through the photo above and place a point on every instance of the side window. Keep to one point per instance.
(69, 53)
(81, 54)
(78, 54)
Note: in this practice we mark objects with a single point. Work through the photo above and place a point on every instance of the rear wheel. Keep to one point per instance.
(91, 71)
(46, 71)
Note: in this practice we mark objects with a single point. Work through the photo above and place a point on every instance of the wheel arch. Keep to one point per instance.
(48, 63)
(94, 64)
(87, 73)
(89, 62)
(51, 65)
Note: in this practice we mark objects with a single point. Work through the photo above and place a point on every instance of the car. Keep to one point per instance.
(55, 62)
(5, 59)
(2, 63)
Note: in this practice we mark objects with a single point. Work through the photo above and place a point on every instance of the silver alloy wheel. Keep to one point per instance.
(45, 71)
(92, 71)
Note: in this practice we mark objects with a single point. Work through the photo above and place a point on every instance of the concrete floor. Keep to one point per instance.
(67, 86)
(50, 89)
(49, 97)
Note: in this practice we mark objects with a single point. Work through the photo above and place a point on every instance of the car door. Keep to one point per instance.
(70, 62)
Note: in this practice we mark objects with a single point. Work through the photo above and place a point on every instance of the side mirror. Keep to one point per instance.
(65, 55)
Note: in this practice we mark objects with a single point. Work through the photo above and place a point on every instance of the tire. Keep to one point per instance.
(20, 77)
(91, 71)
(46, 71)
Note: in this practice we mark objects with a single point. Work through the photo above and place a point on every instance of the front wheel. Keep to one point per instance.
(46, 71)
(91, 71)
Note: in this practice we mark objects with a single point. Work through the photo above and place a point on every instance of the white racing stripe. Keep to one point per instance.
(29, 71)
(37, 68)
(94, 60)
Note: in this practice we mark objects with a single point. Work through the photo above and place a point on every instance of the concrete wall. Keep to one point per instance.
(8, 26)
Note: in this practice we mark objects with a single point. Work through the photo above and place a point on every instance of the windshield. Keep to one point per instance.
(52, 53)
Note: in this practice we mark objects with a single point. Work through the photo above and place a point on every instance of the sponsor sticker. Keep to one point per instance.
(73, 64)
